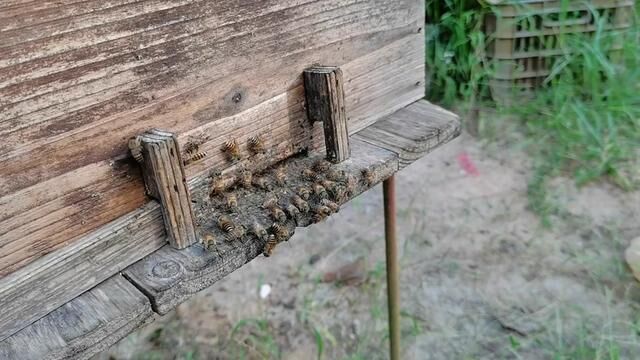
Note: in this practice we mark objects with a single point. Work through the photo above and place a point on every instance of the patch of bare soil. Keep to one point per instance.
(481, 278)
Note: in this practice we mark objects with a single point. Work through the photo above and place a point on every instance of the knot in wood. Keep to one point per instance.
(166, 269)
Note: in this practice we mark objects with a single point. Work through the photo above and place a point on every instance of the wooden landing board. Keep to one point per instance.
(414, 131)
(84, 326)
(79, 78)
(170, 276)
(42, 286)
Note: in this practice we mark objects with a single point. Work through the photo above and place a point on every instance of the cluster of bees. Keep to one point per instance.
(312, 196)
(231, 149)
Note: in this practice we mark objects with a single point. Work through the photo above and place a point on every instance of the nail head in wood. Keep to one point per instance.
(165, 181)
(325, 102)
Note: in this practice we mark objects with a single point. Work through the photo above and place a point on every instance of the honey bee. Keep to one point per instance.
(322, 166)
(368, 177)
(270, 246)
(256, 144)
(331, 205)
(302, 205)
(270, 202)
(309, 174)
(320, 191)
(209, 242)
(190, 147)
(336, 175)
(336, 190)
(231, 201)
(238, 232)
(195, 157)
(316, 218)
(352, 184)
(245, 178)
(231, 149)
(278, 215)
(218, 186)
(304, 193)
(261, 183)
(280, 232)
(328, 184)
(135, 146)
(281, 176)
(225, 224)
(323, 210)
(260, 232)
(293, 212)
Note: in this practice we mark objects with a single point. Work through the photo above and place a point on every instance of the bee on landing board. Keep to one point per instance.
(135, 146)
(302, 205)
(331, 205)
(218, 186)
(278, 215)
(225, 223)
(231, 201)
(281, 176)
(336, 175)
(245, 179)
(209, 242)
(270, 246)
(293, 213)
(352, 184)
(322, 166)
(320, 191)
(269, 202)
(304, 193)
(262, 183)
(320, 213)
(231, 150)
(256, 144)
(368, 177)
(309, 175)
(194, 157)
(280, 232)
(260, 232)
(237, 233)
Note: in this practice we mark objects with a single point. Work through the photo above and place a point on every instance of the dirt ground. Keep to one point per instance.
(481, 278)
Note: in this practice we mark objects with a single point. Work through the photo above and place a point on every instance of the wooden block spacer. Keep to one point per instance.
(164, 179)
(325, 102)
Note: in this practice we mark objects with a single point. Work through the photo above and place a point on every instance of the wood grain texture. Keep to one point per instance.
(35, 290)
(414, 131)
(84, 326)
(164, 173)
(324, 94)
(170, 276)
(79, 78)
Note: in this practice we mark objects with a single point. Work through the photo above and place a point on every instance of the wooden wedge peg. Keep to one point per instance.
(325, 102)
(165, 181)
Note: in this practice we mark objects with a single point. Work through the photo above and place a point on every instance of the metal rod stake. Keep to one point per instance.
(393, 294)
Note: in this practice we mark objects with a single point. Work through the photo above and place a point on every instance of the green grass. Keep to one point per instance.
(585, 121)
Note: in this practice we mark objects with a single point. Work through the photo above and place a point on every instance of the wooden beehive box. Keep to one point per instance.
(79, 79)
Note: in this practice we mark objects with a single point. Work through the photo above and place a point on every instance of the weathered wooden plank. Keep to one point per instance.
(84, 326)
(414, 131)
(170, 276)
(42, 286)
(281, 121)
(324, 94)
(240, 54)
(165, 180)
(42, 218)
